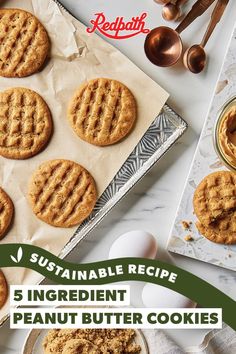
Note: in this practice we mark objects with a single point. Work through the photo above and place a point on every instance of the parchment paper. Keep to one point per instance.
(76, 56)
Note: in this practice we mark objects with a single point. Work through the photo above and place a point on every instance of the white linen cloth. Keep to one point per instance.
(220, 341)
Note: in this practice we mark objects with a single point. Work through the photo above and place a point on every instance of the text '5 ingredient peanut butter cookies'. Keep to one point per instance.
(215, 206)
(62, 193)
(24, 43)
(25, 123)
(102, 111)
(6, 212)
(3, 289)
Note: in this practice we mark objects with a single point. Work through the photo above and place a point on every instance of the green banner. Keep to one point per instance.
(116, 270)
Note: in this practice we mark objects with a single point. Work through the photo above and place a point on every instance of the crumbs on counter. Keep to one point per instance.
(186, 224)
(188, 238)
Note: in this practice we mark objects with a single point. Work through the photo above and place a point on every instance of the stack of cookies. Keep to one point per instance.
(215, 206)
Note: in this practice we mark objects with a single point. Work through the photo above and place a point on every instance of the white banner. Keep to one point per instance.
(116, 318)
(69, 295)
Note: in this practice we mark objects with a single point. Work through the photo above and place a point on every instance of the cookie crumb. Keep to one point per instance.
(188, 238)
(186, 224)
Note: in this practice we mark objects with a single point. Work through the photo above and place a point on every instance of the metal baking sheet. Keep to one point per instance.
(205, 162)
(165, 130)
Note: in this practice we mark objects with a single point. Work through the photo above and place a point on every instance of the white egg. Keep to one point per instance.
(135, 243)
(158, 296)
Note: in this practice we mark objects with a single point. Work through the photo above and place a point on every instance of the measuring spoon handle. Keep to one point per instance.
(197, 10)
(215, 18)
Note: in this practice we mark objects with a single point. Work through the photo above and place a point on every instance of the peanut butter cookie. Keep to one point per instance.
(24, 43)
(215, 206)
(215, 234)
(62, 193)
(25, 124)
(102, 111)
(215, 196)
(3, 289)
(6, 212)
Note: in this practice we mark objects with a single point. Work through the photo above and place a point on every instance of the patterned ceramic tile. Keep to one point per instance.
(205, 162)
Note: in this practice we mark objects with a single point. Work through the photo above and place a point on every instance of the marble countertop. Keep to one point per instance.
(153, 203)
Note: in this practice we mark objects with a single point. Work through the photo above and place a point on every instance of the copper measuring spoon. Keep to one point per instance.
(172, 11)
(163, 45)
(161, 2)
(195, 56)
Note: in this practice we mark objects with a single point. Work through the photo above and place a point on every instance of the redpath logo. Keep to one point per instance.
(114, 29)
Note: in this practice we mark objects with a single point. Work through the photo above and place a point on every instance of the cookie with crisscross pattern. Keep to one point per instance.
(102, 111)
(215, 196)
(25, 123)
(24, 43)
(62, 193)
(215, 206)
(6, 212)
(3, 289)
(218, 234)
